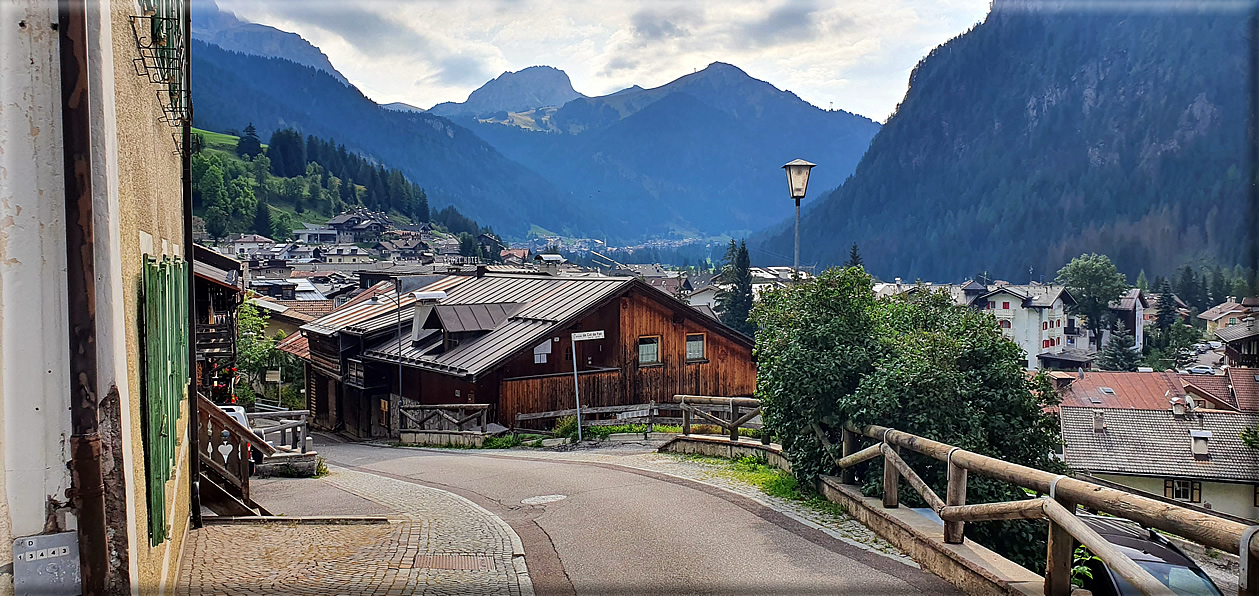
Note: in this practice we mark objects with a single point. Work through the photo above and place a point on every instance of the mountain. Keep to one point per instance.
(1042, 134)
(402, 107)
(698, 156)
(231, 89)
(223, 29)
(533, 87)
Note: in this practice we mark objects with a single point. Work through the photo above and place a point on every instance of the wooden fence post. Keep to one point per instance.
(953, 531)
(891, 484)
(1059, 559)
(734, 424)
(686, 420)
(849, 475)
(651, 416)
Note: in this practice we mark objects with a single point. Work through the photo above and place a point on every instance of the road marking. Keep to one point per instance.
(543, 499)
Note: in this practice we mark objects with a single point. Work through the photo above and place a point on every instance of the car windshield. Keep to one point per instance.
(1182, 580)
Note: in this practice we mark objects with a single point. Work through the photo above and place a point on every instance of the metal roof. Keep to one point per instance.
(1156, 443)
(459, 318)
(365, 317)
(544, 304)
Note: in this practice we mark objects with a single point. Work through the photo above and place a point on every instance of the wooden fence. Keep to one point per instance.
(702, 406)
(288, 426)
(1064, 495)
(443, 418)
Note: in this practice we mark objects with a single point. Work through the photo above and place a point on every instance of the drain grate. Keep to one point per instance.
(455, 562)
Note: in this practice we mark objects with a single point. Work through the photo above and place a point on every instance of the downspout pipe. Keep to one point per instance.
(87, 480)
(194, 453)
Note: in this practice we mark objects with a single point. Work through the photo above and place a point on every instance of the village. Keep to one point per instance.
(286, 359)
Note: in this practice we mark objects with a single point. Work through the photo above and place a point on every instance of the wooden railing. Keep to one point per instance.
(216, 340)
(702, 405)
(647, 413)
(288, 426)
(1064, 495)
(225, 445)
(443, 417)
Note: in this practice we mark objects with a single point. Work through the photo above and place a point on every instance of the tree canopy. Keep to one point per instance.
(1120, 353)
(1094, 283)
(734, 301)
(828, 352)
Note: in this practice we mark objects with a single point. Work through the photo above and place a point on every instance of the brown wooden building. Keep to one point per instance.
(506, 340)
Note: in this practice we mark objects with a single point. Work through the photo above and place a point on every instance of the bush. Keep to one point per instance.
(503, 442)
(566, 427)
(829, 352)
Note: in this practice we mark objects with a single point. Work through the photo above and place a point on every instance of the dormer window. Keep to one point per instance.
(1200, 447)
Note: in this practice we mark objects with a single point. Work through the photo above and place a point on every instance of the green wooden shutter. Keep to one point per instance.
(165, 340)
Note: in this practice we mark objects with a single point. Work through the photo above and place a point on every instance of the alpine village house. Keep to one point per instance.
(506, 340)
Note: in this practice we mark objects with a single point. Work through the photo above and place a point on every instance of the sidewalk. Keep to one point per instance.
(432, 542)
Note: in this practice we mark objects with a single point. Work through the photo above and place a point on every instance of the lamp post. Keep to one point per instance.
(397, 301)
(797, 184)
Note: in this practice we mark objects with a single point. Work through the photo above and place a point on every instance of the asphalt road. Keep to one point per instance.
(624, 531)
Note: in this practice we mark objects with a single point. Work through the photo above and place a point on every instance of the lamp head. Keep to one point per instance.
(798, 177)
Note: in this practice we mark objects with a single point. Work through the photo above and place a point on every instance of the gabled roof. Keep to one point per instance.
(1220, 310)
(1215, 388)
(1129, 301)
(1245, 382)
(546, 306)
(1129, 390)
(1158, 444)
(355, 314)
(1243, 330)
(297, 345)
(255, 238)
(460, 318)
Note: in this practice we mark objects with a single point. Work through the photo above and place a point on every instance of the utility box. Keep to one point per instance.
(47, 564)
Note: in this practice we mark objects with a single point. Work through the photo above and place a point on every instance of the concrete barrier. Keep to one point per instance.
(435, 438)
(969, 566)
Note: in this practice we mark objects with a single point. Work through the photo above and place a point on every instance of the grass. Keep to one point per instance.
(218, 140)
(772, 481)
(500, 442)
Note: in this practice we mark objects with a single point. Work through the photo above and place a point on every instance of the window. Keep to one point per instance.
(695, 346)
(1257, 495)
(1183, 490)
(1005, 324)
(1232, 320)
(992, 305)
(540, 352)
(1005, 306)
(1044, 344)
(649, 350)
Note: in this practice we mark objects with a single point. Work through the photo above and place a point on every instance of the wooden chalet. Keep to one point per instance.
(505, 340)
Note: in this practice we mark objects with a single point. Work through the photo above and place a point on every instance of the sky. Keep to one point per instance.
(854, 55)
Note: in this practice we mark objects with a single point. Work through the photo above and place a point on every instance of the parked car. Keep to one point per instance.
(1201, 348)
(1153, 552)
(238, 414)
(1201, 369)
(1215, 345)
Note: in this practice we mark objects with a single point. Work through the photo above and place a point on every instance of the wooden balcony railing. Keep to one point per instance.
(288, 428)
(1064, 494)
(216, 341)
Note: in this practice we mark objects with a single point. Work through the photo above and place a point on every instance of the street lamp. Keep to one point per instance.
(797, 184)
(397, 301)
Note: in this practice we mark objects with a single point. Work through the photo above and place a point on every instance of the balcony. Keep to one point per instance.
(216, 341)
(1238, 359)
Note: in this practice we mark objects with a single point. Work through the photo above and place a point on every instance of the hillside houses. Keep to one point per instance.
(359, 225)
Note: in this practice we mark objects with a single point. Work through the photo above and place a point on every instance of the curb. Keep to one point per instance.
(313, 520)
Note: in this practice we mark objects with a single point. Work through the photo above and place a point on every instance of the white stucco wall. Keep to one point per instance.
(1235, 499)
(34, 346)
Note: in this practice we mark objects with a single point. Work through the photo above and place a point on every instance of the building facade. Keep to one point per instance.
(106, 108)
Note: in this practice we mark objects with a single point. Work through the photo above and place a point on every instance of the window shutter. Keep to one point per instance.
(1197, 493)
(1168, 489)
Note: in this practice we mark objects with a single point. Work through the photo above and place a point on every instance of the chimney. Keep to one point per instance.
(898, 281)
(1178, 407)
(424, 303)
(1099, 421)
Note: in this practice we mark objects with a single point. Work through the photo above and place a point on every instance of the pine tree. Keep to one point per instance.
(734, 302)
(1167, 313)
(262, 219)
(854, 257)
(1120, 352)
(1142, 282)
(249, 145)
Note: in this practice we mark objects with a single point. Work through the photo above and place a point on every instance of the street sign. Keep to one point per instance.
(580, 336)
(585, 335)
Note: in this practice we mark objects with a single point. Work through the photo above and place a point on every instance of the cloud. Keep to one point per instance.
(369, 31)
(653, 26)
(794, 22)
(462, 69)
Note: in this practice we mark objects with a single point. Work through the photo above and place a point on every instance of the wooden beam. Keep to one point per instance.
(747, 402)
(1029, 509)
(1115, 560)
(890, 456)
(891, 482)
(1061, 554)
(864, 455)
(955, 497)
(849, 475)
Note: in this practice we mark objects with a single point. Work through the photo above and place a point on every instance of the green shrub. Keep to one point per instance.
(503, 442)
(566, 427)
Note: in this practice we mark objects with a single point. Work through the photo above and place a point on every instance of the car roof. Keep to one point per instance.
(1136, 541)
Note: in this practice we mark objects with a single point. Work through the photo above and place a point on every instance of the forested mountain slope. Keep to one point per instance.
(1042, 134)
(453, 165)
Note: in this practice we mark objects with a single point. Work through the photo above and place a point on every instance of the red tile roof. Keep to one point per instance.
(1245, 383)
(297, 345)
(1216, 387)
(1131, 390)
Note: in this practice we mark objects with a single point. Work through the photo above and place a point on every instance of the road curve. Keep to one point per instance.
(625, 531)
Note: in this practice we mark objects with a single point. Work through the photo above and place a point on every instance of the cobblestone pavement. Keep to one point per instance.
(643, 456)
(435, 543)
